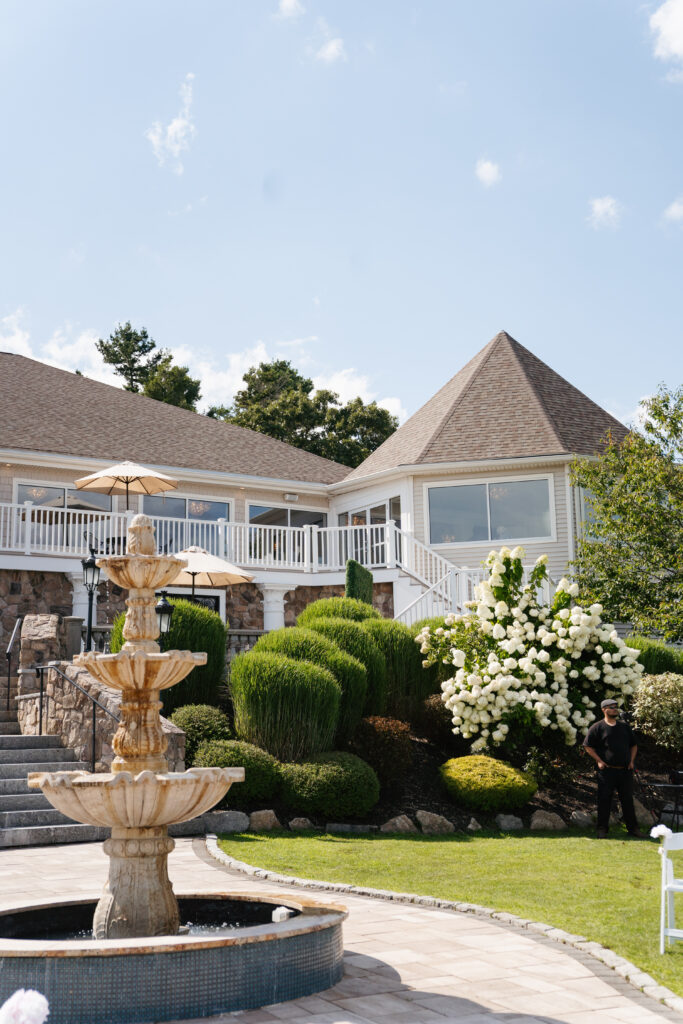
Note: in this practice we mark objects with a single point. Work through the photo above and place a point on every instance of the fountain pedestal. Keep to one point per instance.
(138, 898)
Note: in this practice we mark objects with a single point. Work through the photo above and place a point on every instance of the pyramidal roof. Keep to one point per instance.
(506, 403)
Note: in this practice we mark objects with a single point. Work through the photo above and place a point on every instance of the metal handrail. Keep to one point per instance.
(95, 703)
(8, 655)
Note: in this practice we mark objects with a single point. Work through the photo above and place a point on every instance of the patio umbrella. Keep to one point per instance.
(205, 570)
(127, 478)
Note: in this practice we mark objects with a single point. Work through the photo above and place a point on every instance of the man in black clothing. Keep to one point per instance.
(612, 746)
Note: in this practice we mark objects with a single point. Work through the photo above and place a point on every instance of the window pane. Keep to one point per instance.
(378, 514)
(359, 518)
(88, 501)
(343, 519)
(458, 514)
(199, 508)
(305, 517)
(52, 496)
(519, 509)
(263, 515)
(395, 510)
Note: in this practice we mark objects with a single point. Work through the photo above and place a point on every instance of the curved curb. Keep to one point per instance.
(634, 975)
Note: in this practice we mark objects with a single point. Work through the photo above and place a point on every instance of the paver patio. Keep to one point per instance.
(402, 963)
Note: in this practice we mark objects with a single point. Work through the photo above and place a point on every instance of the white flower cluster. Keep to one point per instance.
(26, 1006)
(555, 662)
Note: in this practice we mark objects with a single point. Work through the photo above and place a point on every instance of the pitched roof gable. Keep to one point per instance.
(51, 410)
(504, 403)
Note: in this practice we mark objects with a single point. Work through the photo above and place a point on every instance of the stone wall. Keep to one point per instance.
(241, 640)
(23, 592)
(244, 607)
(111, 601)
(296, 600)
(43, 639)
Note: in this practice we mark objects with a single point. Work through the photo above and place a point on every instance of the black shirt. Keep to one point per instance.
(612, 743)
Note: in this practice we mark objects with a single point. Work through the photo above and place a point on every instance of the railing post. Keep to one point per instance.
(390, 544)
(308, 548)
(94, 709)
(315, 548)
(9, 674)
(28, 516)
(222, 552)
(40, 701)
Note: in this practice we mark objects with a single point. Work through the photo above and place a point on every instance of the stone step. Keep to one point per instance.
(7, 716)
(27, 742)
(27, 800)
(33, 818)
(12, 787)
(44, 835)
(19, 770)
(9, 729)
(36, 752)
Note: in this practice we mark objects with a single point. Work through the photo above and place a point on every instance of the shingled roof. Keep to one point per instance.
(50, 410)
(505, 403)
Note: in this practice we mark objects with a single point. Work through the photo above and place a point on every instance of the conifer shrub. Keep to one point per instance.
(288, 707)
(337, 608)
(310, 645)
(358, 581)
(193, 628)
(261, 770)
(385, 744)
(407, 681)
(356, 641)
(481, 783)
(335, 785)
(200, 722)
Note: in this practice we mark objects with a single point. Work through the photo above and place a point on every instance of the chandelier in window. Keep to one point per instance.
(198, 508)
(36, 493)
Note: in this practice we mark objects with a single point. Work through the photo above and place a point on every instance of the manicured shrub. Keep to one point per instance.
(481, 783)
(657, 657)
(434, 674)
(200, 722)
(193, 628)
(432, 721)
(335, 785)
(337, 608)
(290, 708)
(658, 710)
(358, 581)
(261, 770)
(385, 744)
(356, 641)
(309, 645)
(406, 677)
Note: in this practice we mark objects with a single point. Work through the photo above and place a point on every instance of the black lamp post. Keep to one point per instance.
(164, 610)
(91, 578)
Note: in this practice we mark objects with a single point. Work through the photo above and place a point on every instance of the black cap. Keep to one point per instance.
(609, 702)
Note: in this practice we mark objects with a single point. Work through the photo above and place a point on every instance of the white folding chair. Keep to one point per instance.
(670, 885)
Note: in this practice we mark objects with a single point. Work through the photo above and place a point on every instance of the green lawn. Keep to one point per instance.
(606, 890)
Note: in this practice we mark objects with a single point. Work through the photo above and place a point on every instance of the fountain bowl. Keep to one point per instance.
(134, 981)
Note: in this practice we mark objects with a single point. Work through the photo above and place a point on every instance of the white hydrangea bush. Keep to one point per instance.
(517, 660)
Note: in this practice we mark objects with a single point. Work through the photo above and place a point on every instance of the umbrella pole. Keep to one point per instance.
(127, 505)
(194, 576)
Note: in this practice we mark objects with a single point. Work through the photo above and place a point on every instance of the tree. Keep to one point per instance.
(132, 355)
(173, 384)
(630, 558)
(277, 400)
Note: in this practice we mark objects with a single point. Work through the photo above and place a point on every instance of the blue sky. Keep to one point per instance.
(370, 188)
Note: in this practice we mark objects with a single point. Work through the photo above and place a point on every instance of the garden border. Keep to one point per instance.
(624, 968)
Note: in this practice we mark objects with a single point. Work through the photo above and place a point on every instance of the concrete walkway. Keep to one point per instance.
(403, 963)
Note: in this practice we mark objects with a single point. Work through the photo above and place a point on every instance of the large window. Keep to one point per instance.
(52, 527)
(493, 511)
(275, 543)
(267, 515)
(63, 497)
(197, 526)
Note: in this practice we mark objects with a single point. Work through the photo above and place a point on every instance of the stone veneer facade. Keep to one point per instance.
(296, 600)
(23, 592)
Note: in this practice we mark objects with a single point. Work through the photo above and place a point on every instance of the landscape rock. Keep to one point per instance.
(401, 823)
(263, 821)
(301, 824)
(225, 821)
(434, 824)
(582, 819)
(474, 826)
(643, 816)
(509, 823)
(547, 820)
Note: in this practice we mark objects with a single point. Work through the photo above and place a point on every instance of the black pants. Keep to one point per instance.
(621, 780)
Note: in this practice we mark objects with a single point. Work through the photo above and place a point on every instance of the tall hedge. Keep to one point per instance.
(337, 608)
(656, 656)
(358, 581)
(350, 673)
(193, 628)
(407, 681)
(288, 707)
(355, 640)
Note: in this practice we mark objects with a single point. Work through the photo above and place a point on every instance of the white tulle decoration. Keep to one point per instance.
(25, 1007)
(659, 831)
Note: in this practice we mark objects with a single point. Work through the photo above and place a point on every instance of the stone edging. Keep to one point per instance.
(639, 979)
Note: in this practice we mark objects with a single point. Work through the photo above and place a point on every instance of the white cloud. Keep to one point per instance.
(328, 48)
(674, 212)
(290, 9)
(63, 349)
(350, 384)
(487, 172)
(605, 212)
(667, 26)
(168, 143)
(13, 337)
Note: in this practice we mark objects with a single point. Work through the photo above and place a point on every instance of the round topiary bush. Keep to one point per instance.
(309, 645)
(290, 708)
(658, 709)
(200, 722)
(356, 641)
(335, 785)
(337, 608)
(193, 628)
(261, 771)
(407, 681)
(482, 783)
(385, 744)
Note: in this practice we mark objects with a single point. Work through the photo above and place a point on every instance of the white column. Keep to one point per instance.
(79, 598)
(274, 605)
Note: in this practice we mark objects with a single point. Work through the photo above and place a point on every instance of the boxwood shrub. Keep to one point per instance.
(355, 640)
(481, 783)
(193, 628)
(335, 785)
(407, 681)
(200, 722)
(288, 707)
(309, 645)
(337, 608)
(261, 770)
(656, 656)
(385, 744)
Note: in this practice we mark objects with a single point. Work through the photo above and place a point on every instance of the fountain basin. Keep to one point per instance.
(140, 670)
(136, 981)
(146, 800)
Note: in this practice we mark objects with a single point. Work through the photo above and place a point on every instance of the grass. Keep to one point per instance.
(607, 890)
